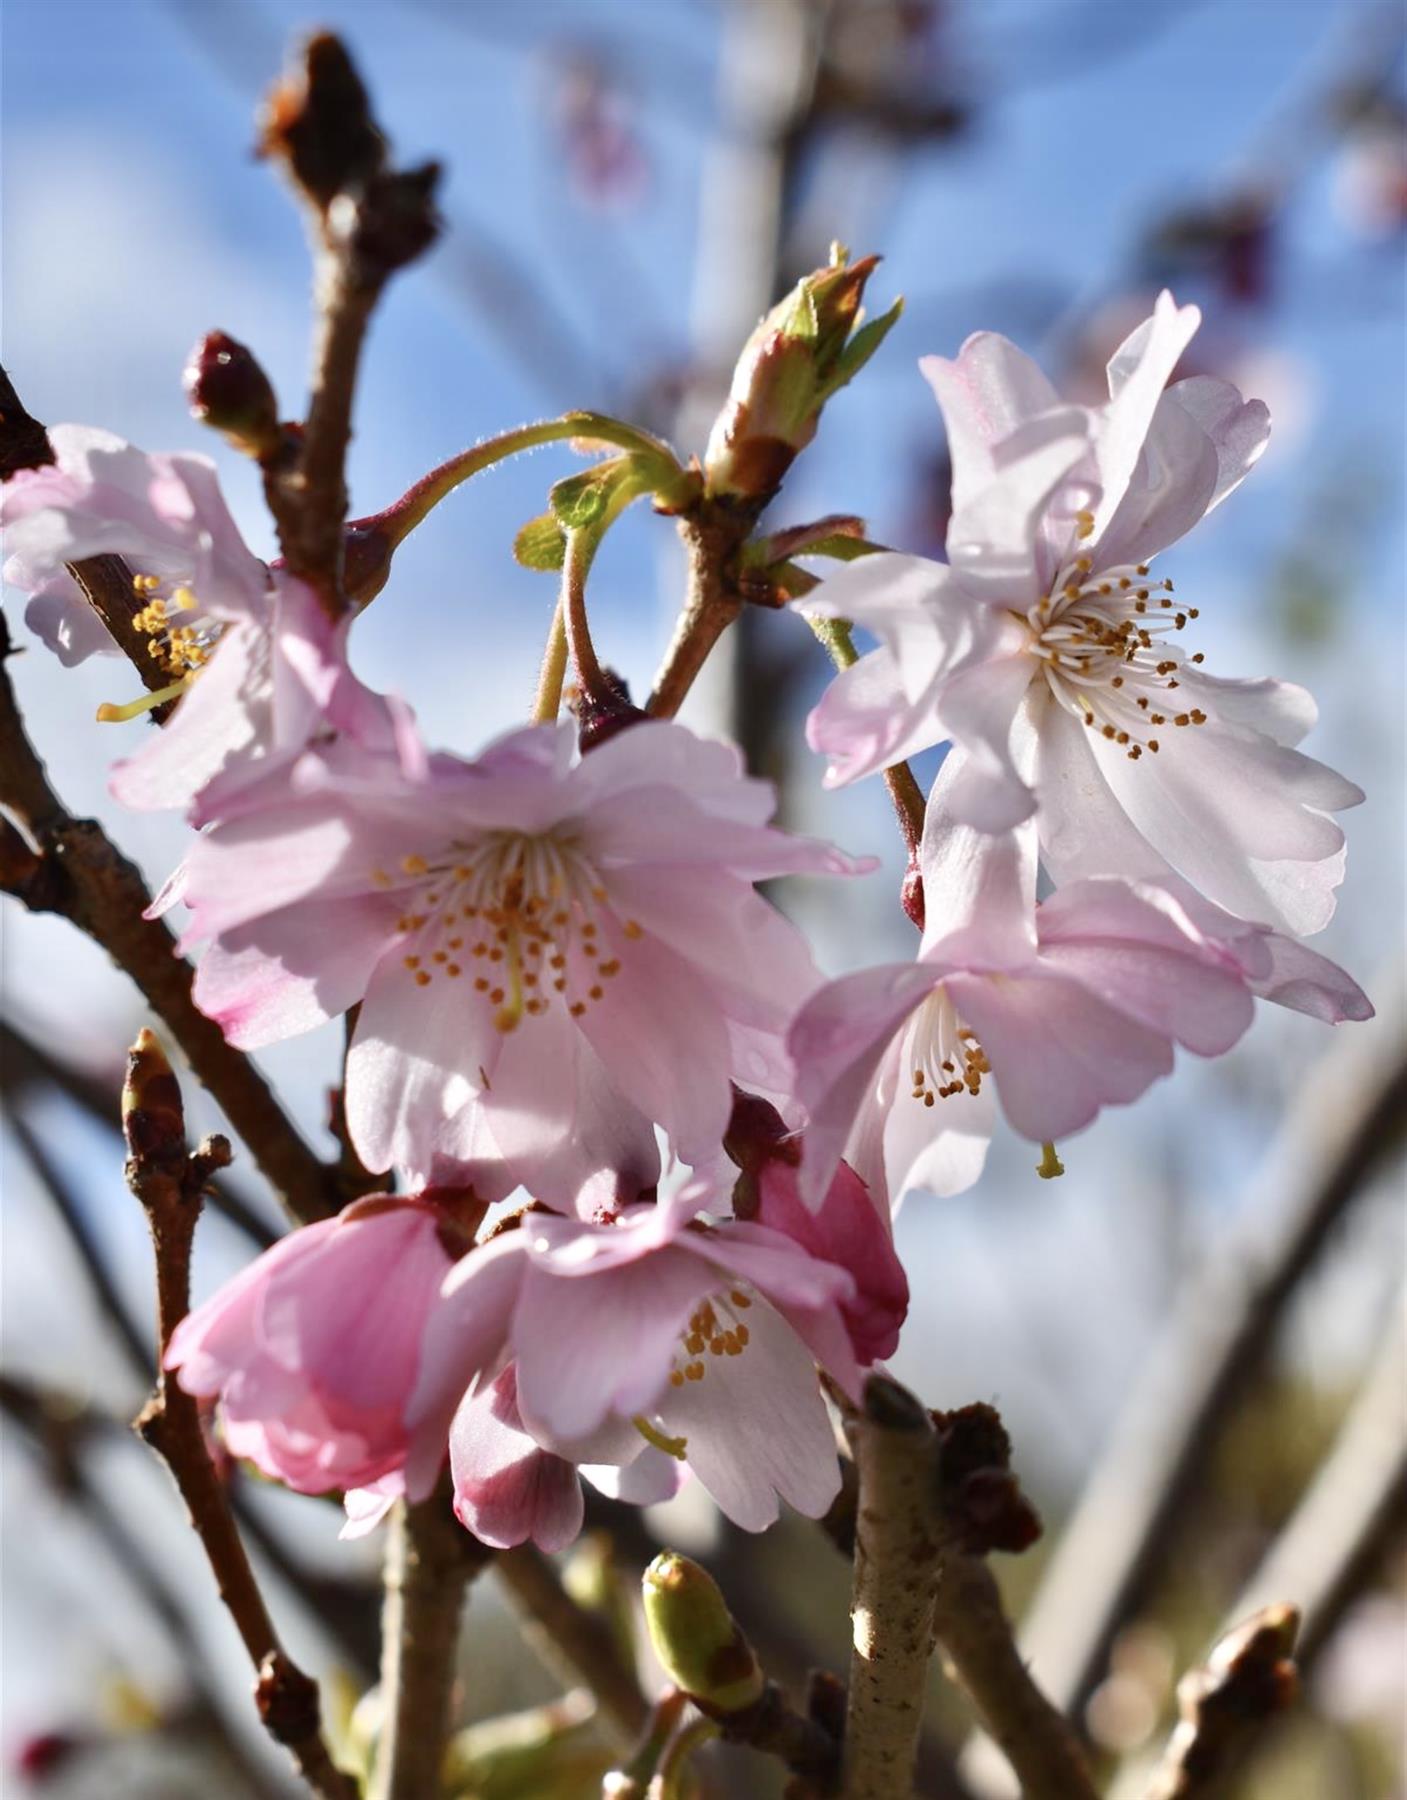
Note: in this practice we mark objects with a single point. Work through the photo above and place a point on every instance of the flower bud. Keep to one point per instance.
(153, 1118)
(696, 1638)
(228, 390)
(801, 354)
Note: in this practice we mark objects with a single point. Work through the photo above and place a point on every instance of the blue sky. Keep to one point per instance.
(135, 219)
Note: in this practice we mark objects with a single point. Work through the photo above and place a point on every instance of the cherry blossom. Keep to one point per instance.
(313, 1349)
(658, 1330)
(554, 953)
(253, 659)
(1045, 646)
(1059, 1009)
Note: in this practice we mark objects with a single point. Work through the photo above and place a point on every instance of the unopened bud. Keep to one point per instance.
(44, 1755)
(228, 390)
(317, 121)
(803, 351)
(697, 1640)
(153, 1119)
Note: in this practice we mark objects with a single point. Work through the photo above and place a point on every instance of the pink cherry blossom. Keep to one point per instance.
(1045, 646)
(314, 1348)
(1062, 1009)
(257, 665)
(554, 953)
(656, 1329)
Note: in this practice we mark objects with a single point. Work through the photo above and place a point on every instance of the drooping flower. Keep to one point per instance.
(313, 1349)
(1045, 647)
(252, 657)
(655, 1329)
(555, 954)
(1062, 1009)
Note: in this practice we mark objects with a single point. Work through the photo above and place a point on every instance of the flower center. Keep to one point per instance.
(1101, 641)
(714, 1330)
(178, 650)
(944, 1055)
(520, 915)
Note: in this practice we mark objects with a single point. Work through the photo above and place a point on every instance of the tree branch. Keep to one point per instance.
(168, 1182)
(80, 874)
(575, 1644)
(429, 1558)
(24, 1063)
(897, 1546)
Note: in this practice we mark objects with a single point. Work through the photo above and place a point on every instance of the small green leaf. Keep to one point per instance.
(541, 544)
(580, 499)
(862, 347)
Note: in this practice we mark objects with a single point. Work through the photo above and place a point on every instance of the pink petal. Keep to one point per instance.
(979, 886)
(1238, 429)
(986, 392)
(1138, 373)
(1058, 1052)
(292, 970)
(994, 540)
(756, 1428)
(507, 1491)
(588, 1349)
(838, 1042)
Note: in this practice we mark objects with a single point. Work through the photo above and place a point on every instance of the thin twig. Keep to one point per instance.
(167, 1180)
(24, 1063)
(977, 1636)
(575, 1644)
(1346, 1119)
(429, 1558)
(83, 876)
(368, 220)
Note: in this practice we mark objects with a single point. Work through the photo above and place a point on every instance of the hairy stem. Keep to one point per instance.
(547, 701)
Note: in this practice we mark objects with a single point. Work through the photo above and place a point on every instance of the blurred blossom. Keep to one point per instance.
(593, 118)
(1363, 1674)
(1229, 244)
(1370, 174)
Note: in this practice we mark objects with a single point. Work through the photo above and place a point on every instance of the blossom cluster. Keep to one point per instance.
(646, 1158)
